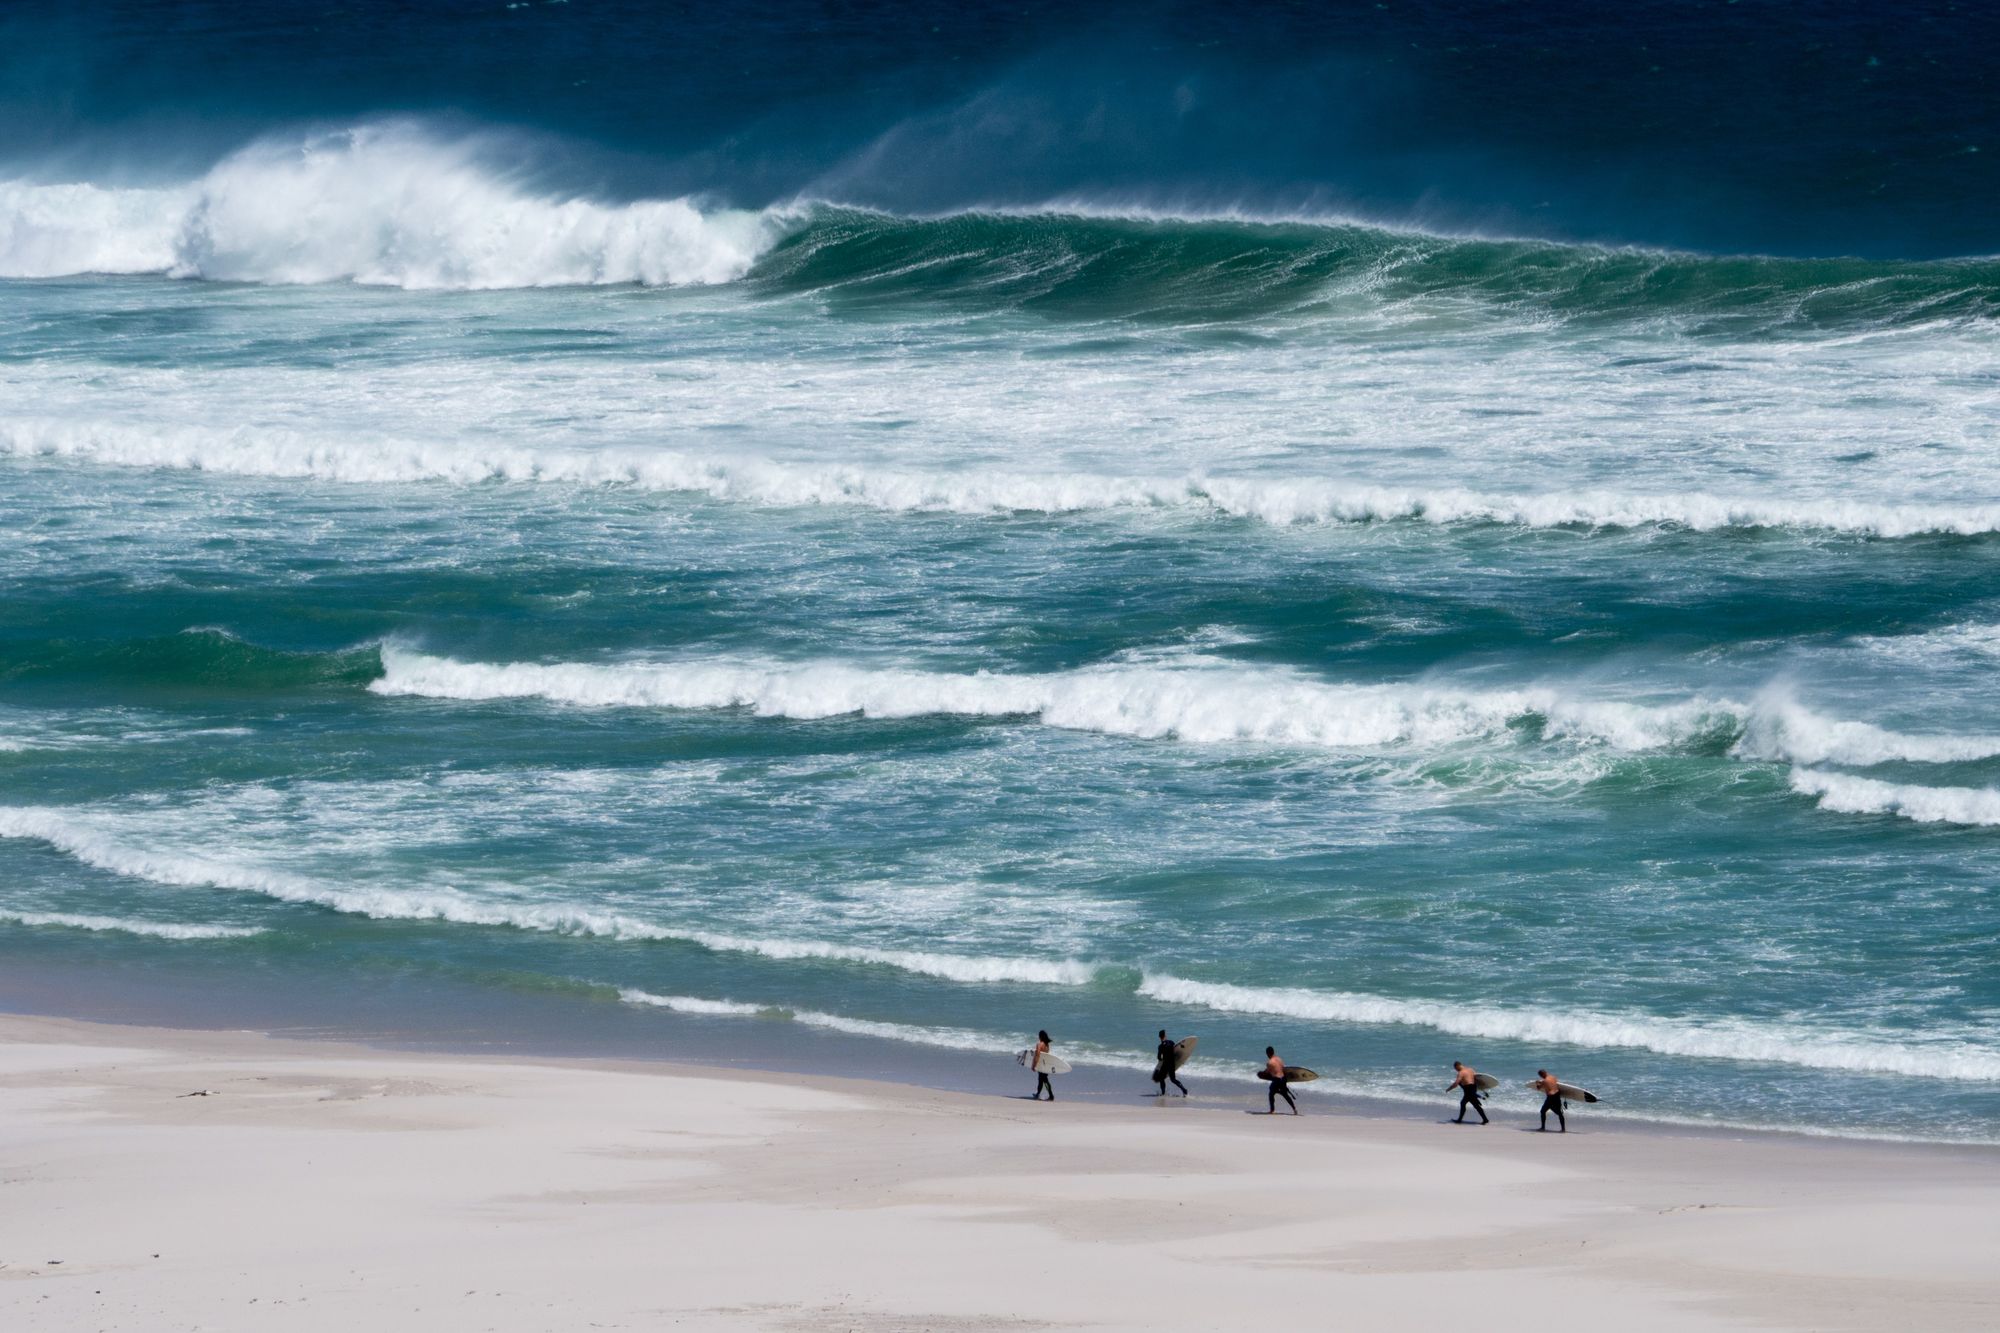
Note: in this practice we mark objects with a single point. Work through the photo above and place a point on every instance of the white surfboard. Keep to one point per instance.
(1048, 1063)
(1567, 1091)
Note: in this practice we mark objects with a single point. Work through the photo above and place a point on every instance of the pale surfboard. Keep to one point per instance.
(1183, 1049)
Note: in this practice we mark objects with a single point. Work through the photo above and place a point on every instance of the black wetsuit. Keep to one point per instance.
(1554, 1102)
(1282, 1088)
(1163, 1073)
(1468, 1095)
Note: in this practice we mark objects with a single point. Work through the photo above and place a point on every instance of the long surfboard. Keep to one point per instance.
(1485, 1082)
(1567, 1091)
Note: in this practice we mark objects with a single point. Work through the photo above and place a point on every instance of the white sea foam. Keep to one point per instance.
(1778, 727)
(950, 967)
(164, 930)
(1282, 501)
(385, 203)
(1845, 793)
(942, 1038)
(693, 1004)
(1191, 698)
(80, 837)
(1772, 1043)
(1971, 639)
(1197, 701)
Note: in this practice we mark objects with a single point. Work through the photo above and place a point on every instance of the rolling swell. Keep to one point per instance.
(195, 661)
(1081, 263)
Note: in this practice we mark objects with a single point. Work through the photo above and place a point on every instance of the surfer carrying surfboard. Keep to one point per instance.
(1466, 1081)
(1551, 1087)
(1274, 1070)
(1170, 1061)
(1042, 1083)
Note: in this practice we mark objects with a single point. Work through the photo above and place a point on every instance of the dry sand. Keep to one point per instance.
(333, 1187)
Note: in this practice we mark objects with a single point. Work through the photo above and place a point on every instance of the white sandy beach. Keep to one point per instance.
(324, 1187)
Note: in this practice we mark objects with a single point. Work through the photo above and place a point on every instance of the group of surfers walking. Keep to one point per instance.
(1465, 1081)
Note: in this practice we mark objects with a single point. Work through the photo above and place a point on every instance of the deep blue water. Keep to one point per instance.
(1410, 533)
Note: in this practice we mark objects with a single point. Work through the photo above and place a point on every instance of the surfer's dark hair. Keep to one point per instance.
(1045, 1036)
(1163, 1034)
(1270, 1050)
(1458, 1064)
(1542, 1073)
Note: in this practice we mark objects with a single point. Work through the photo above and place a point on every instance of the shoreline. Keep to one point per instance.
(735, 1044)
(321, 1182)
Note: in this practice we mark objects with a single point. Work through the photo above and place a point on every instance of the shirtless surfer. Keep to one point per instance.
(1042, 1083)
(1551, 1087)
(1164, 1071)
(1274, 1070)
(1465, 1082)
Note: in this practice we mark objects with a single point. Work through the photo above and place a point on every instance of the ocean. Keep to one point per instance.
(838, 536)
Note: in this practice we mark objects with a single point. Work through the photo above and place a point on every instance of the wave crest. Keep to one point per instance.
(385, 204)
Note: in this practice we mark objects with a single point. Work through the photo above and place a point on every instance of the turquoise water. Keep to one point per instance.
(923, 631)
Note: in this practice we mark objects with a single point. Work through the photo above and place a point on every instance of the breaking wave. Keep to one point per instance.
(1845, 793)
(1721, 1040)
(1780, 728)
(1193, 702)
(388, 204)
(1196, 700)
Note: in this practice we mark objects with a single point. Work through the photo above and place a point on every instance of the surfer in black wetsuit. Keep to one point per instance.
(1274, 1070)
(1163, 1072)
(1466, 1082)
(1552, 1100)
(1042, 1083)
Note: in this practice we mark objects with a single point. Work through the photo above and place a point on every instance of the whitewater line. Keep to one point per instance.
(1194, 699)
(78, 837)
(1276, 501)
(1726, 1040)
(162, 930)
(1845, 793)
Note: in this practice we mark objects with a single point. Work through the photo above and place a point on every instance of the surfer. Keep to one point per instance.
(1042, 1083)
(1164, 1071)
(1274, 1070)
(1551, 1087)
(1466, 1083)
